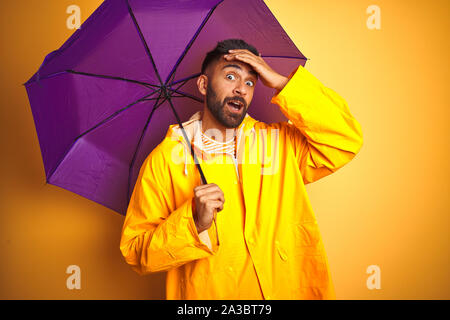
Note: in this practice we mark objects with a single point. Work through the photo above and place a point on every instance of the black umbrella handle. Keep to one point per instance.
(193, 155)
(189, 142)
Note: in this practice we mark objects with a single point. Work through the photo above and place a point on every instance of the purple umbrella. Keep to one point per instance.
(106, 98)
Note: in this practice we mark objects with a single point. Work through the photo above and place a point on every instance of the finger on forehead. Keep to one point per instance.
(245, 58)
(234, 51)
(241, 57)
(240, 50)
(243, 54)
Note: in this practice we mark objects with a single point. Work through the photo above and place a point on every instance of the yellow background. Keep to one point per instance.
(388, 207)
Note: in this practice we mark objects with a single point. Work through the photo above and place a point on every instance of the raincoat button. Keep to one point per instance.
(230, 269)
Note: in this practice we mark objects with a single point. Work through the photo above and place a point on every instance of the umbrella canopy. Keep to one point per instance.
(106, 98)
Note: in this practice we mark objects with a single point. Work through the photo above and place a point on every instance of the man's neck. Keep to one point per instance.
(214, 129)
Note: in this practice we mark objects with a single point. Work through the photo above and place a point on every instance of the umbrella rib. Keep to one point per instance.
(147, 49)
(51, 75)
(151, 99)
(195, 99)
(155, 106)
(185, 79)
(182, 84)
(116, 113)
(205, 20)
(95, 126)
(187, 95)
(159, 77)
(173, 96)
(146, 84)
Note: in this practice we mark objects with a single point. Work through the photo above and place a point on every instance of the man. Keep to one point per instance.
(250, 233)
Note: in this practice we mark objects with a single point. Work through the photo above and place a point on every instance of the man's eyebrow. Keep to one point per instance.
(253, 72)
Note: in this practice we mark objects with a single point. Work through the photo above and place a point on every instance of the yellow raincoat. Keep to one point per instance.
(269, 241)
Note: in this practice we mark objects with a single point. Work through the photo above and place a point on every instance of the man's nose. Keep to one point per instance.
(240, 89)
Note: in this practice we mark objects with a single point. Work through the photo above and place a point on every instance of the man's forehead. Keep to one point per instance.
(238, 65)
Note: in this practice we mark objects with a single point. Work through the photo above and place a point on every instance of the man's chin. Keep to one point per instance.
(233, 121)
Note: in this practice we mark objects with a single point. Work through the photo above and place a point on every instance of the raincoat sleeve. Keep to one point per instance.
(324, 134)
(156, 235)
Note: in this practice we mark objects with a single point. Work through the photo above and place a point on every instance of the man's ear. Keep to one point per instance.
(202, 83)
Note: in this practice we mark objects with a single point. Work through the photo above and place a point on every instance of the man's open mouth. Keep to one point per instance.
(235, 105)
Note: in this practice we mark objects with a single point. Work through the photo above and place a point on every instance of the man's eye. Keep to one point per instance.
(250, 83)
(230, 76)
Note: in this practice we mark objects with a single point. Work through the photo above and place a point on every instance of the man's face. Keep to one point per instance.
(230, 91)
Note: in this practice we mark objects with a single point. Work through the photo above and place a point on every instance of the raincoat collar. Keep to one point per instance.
(192, 125)
(192, 128)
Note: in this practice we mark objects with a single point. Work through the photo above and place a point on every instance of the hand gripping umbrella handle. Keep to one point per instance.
(195, 160)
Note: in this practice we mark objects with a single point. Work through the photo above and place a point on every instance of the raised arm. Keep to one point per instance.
(324, 134)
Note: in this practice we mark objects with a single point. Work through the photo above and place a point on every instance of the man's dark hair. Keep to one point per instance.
(222, 48)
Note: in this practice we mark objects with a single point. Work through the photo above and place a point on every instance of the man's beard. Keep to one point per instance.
(219, 109)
